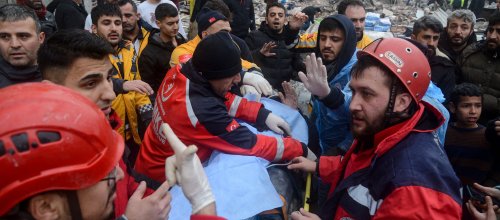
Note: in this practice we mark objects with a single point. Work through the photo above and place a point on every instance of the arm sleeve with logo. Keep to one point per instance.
(230, 137)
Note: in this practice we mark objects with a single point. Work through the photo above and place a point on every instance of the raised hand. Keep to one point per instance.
(185, 168)
(316, 80)
(297, 20)
(156, 206)
(290, 97)
(267, 47)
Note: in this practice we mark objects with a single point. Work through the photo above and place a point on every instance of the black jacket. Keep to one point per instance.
(70, 15)
(246, 54)
(10, 75)
(281, 67)
(491, 135)
(51, 7)
(444, 72)
(154, 60)
(243, 17)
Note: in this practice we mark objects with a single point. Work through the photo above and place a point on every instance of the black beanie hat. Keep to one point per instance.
(206, 18)
(217, 56)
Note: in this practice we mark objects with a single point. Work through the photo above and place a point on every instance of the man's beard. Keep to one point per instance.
(368, 132)
(275, 30)
(128, 28)
(358, 38)
(492, 50)
(459, 44)
(370, 129)
(431, 51)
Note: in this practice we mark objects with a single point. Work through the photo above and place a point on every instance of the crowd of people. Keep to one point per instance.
(104, 112)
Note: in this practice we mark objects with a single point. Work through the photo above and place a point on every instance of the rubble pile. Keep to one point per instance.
(401, 13)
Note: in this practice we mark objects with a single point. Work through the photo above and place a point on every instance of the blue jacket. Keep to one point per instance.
(333, 129)
(334, 124)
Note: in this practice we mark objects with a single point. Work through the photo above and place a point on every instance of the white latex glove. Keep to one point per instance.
(185, 168)
(246, 89)
(277, 124)
(316, 80)
(259, 82)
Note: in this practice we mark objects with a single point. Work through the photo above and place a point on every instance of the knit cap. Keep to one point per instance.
(206, 18)
(217, 56)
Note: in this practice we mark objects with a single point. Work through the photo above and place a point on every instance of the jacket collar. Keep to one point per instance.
(154, 38)
(19, 74)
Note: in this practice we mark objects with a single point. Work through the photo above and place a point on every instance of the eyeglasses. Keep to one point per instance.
(111, 178)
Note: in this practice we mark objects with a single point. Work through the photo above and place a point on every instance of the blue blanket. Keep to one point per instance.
(241, 184)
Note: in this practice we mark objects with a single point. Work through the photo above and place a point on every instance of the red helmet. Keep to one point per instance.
(405, 60)
(51, 138)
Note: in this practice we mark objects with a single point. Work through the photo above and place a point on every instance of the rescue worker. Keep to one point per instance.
(210, 22)
(133, 108)
(134, 29)
(395, 168)
(459, 4)
(37, 186)
(194, 99)
(52, 167)
(79, 60)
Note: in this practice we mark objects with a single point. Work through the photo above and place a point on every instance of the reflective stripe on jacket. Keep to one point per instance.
(200, 117)
(405, 174)
(129, 105)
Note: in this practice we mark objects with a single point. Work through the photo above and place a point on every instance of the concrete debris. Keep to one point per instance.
(401, 13)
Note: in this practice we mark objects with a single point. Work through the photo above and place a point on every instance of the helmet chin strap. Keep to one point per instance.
(74, 205)
(391, 117)
(389, 112)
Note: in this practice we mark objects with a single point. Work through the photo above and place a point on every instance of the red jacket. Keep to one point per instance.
(126, 186)
(199, 116)
(405, 174)
(206, 217)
